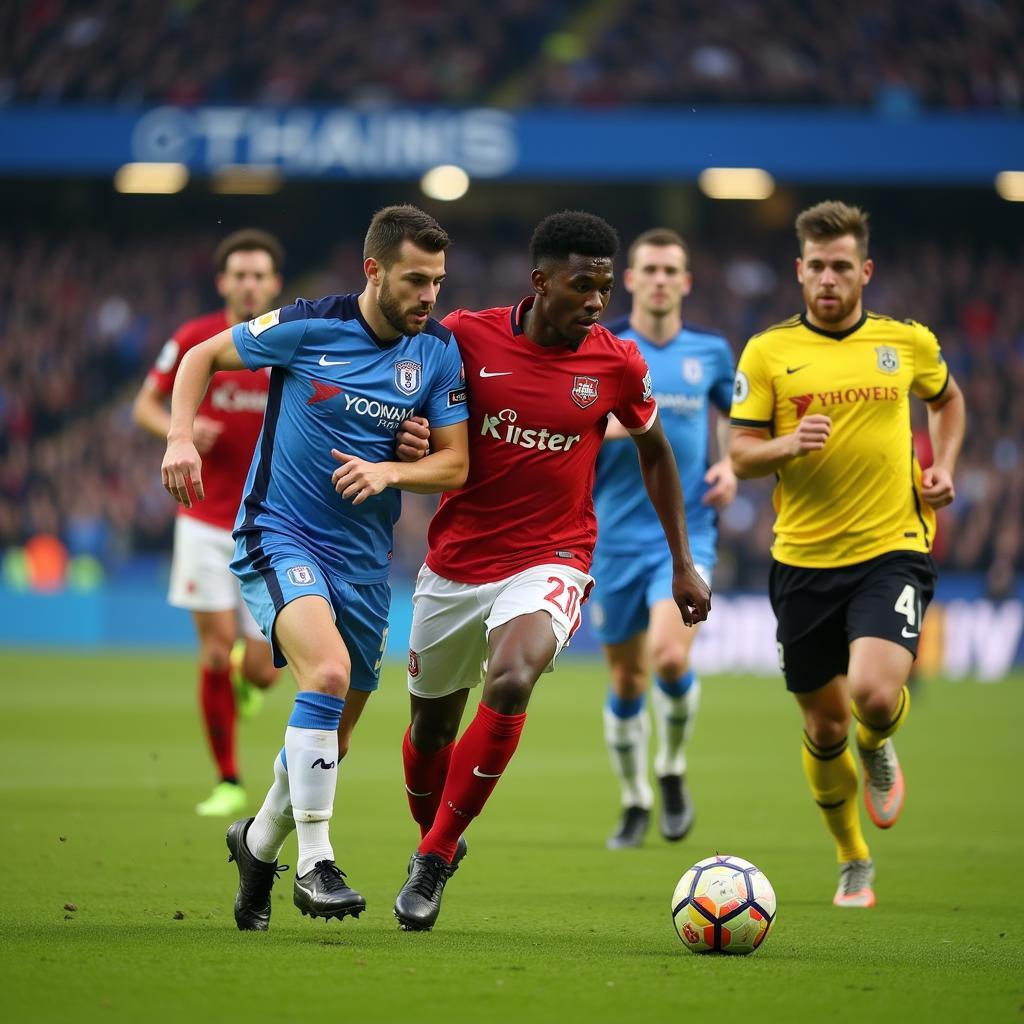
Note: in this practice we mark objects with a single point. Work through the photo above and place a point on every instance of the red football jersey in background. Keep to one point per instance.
(236, 398)
(537, 417)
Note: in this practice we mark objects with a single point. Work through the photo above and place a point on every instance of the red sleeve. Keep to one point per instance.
(167, 362)
(635, 407)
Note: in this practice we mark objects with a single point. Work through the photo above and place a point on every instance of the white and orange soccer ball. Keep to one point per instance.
(723, 905)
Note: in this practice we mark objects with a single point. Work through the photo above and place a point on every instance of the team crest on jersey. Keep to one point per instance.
(740, 388)
(414, 663)
(888, 359)
(408, 376)
(301, 575)
(584, 391)
(265, 322)
(693, 371)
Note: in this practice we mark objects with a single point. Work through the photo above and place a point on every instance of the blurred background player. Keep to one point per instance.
(313, 547)
(507, 570)
(822, 401)
(228, 422)
(632, 611)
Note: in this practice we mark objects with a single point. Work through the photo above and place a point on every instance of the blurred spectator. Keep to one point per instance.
(898, 57)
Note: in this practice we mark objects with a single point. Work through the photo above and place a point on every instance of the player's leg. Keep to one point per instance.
(832, 776)
(884, 626)
(216, 633)
(619, 618)
(252, 664)
(530, 620)
(627, 735)
(675, 700)
(447, 646)
(810, 606)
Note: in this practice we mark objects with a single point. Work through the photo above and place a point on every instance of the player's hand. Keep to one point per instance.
(692, 594)
(205, 433)
(723, 484)
(181, 472)
(937, 487)
(811, 434)
(358, 479)
(412, 441)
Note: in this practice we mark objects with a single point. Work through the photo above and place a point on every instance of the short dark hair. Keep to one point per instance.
(573, 233)
(248, 240)
(833, 219)
(658, 236)
(394, 224)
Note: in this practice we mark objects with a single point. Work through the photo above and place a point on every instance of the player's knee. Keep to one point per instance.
(215, 653)
(433, 732)
(330, 676)
(671, 662)
(509, 689)
(827, 727)
(629, 683)
(875, 705)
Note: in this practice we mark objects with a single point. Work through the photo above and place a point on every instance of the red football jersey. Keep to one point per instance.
(537, 417)
(236, 398)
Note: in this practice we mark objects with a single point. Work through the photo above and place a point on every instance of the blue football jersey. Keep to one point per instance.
(692, 368)
(335, 384)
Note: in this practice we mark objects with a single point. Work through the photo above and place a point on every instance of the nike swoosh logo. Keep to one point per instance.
(504, 373)
(794, 369)
(324, 361)
(908, 636)
(412, 792)
(484, 775)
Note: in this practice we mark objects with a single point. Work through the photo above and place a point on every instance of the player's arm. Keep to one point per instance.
(754, 452)
(444, 469)
(149, 410)
(661, 481)
(947, 419)
(182, 466)
(720, 475)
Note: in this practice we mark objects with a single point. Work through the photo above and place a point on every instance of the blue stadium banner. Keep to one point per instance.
(583, 145)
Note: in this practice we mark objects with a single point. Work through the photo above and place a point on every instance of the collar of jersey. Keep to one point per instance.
(372, 334)
(835, 335)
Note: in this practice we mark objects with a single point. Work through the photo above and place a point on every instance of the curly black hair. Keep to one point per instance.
(573, 232)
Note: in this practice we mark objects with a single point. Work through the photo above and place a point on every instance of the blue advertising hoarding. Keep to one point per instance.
(589, 145)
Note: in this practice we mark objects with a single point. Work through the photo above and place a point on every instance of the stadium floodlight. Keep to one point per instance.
(241, 180)
(445, 182)
(736, 183)
(162, 179)
(1010, 186)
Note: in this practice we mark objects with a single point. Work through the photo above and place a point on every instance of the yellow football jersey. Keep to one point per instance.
(858, 497)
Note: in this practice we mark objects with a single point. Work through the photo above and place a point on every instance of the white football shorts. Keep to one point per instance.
(200, 578)
(451, 622)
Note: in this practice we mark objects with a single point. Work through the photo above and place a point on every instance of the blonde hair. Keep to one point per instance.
(832, 219)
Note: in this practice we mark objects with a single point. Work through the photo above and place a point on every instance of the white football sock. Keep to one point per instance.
(273, 823)
(674, 718)
(311, 748)
(627, 740)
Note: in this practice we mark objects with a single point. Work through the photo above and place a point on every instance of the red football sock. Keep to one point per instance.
(477, 762)
(424, 780)
(218, 704)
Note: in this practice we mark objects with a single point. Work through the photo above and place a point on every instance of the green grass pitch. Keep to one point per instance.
(103, 764)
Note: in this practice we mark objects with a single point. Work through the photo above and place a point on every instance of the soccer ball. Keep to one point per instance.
(724, 905)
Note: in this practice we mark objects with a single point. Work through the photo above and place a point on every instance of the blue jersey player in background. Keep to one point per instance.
(313, 534)
(632, 610)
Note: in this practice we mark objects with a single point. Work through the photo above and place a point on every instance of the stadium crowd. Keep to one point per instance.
(956, 54)
(82, 318)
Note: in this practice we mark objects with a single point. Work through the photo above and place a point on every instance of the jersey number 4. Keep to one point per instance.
(908, 604)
